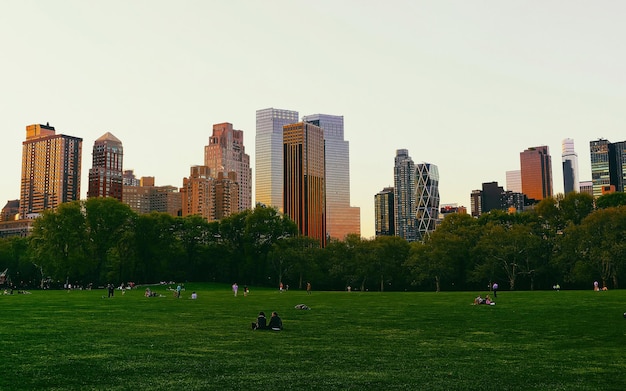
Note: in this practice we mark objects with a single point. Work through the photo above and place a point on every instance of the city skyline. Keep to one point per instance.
(463, 86)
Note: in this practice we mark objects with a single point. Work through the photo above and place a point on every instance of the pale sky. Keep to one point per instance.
(465, 85)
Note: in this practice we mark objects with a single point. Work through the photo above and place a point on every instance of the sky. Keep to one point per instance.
(464, 85)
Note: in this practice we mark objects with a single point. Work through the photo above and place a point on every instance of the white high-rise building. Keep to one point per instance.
(341, 218)
(570, 167)
(268, 167)
(514, 181)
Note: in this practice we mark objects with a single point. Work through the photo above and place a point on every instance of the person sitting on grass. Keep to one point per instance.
(276, 323)
(261, 322)
(479, 300)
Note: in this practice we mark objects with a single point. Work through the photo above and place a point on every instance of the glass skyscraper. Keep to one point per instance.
(599, 155)
(608, 166)
(304, 183)
(404, 195)
(570, 167)
(341, 218)
(268, 170)
(536, 168)
(427, 198)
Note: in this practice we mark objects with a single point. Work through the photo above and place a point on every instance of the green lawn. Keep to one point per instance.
(81, 340)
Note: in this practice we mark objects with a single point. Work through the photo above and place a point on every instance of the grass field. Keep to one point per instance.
(81, 340)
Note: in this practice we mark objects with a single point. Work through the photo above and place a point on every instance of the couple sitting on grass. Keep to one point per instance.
(275, 324)
(486, 300)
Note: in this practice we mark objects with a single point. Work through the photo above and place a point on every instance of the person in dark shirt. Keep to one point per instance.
(276, 323)
(261, 322)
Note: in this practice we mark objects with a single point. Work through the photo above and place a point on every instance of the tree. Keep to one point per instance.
(387, 254)
(601, 240)
(107, 220)
(59, 243)
(294, 256)
(611, 200)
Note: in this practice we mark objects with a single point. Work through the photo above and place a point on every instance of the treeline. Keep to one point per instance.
(567, 240)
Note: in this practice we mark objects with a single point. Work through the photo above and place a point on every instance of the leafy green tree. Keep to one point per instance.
(611, 200)
(387, 255)
(156, 246)
(601, 244)
(107, 220)
(449, 251)
(294, 256)
(576, 206)
(59, 243)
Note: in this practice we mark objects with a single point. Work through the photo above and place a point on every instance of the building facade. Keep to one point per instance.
(142, 196)
(404, 195)
(341, 218)
(51, 166)
(514, 181)
(106, 172)
(304, 187)
(198, 193)
(226, 154)
(608, 166)
(384, 212)
(427, 199)
(536, 170)
(570, 167)
(268, 169)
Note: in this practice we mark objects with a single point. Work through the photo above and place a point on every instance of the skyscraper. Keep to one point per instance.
(404, 195)
(198, 193)
(608, 165)
(427, 199)
(384, 211)
(536, 168)
(105, 174)
(51, 166)
(304, 183)
(514, 181)
(268, 170)
(341, 218)
(570, 167)
(225, 154)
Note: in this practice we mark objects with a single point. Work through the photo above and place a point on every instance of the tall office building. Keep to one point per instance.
(426, 199)
(341, 218)
(105, 174)
(536, 169)
(198, 193)
(404, 195)
(225, 154)
(514, 181)
(304, 182)
(570, 167)
(51, 166)
(608, 166)
(476, 201)
(268, 170)
(384, 211)
(226, 195)
(491, 197)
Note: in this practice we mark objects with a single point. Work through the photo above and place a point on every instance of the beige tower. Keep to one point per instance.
(51, 166)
